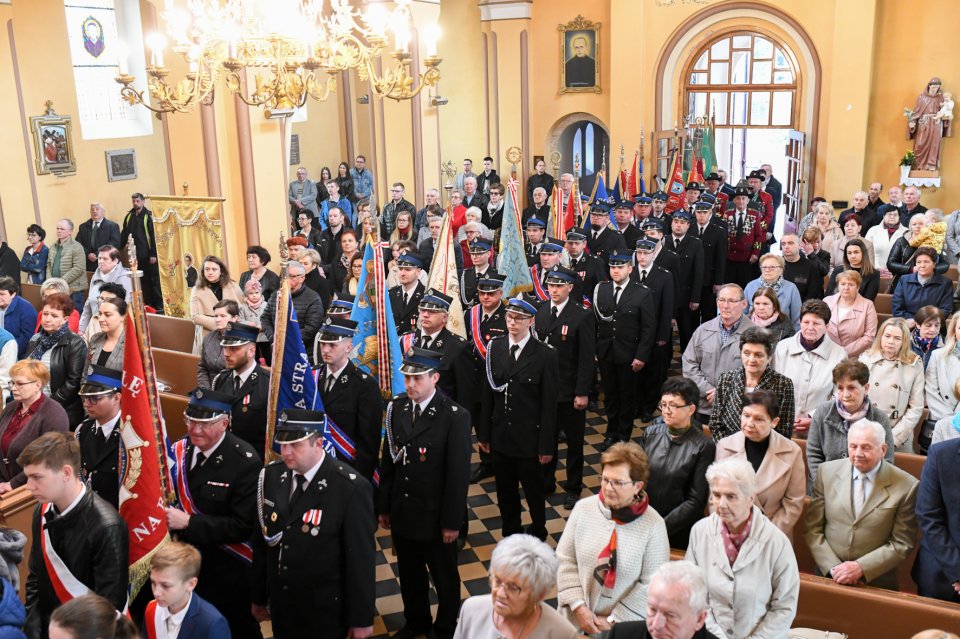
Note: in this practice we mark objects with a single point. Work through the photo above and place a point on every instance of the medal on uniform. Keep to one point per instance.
(246, 402)
(314, 531)
(273, 516)
(304, 528)
(311, 519)
(563, 332)
(423, 454)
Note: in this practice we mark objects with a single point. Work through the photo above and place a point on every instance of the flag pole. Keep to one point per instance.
(576, 186)
(139, 318)
(279, 340)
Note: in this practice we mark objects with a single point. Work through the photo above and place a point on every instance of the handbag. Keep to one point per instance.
(925, 437)
(810, 633)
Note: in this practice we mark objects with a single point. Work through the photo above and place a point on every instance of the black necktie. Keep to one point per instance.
(301, 485)
(426, 341)
(200, 459)
(416, 412)
(93, 235)
(406, 298)
(643, 276)
(595, 234)
(237, 382)
(700, 233)
(739, 223)
(553, 313)
(514, 351)
(616, 295)
(676, 244)
(331, 379)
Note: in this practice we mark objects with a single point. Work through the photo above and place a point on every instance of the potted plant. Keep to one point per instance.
(906, 164)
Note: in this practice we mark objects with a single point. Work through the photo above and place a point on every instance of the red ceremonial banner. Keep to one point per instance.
(141, 489)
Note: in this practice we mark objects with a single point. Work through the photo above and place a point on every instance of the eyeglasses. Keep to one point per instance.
(511, 589)
(664, 406)
(725, 300)
(770, 267)
(93, 399)
(15, 384)
(619, 484)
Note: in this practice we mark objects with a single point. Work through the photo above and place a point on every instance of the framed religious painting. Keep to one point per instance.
(121, 165)
(579, 56)
(53, 143)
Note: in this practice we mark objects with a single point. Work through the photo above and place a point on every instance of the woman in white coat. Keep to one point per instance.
(883, 236)
(896, 381)
(747, 562)
(943, 371)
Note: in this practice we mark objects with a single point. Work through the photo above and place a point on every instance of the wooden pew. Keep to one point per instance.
(910, 463)
(885, 283)
(176, 369)
(171, 333)
(31, 293)
(884, 304)
(862, 612)
(16, 511)
(172, 407)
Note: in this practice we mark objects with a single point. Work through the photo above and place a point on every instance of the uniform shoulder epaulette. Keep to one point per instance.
(364, 375)
(346, 471)
(274, 463)
(493, 338)
(398, 397)
(243, 449)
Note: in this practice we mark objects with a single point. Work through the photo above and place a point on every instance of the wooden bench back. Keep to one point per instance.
(171, 333)
(31, 293)
(172, 407)
(176, 369)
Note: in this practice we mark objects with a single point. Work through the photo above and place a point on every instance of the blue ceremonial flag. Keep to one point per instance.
(643, 188)
(616, 192)
(512, 260)
(375, 326)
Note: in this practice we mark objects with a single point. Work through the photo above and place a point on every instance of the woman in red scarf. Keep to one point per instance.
(611, 546)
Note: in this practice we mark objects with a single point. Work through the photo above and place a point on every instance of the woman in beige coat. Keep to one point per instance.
(833, 241)
(214, 285)
(853, 318)
(778, 462)
(896, 381)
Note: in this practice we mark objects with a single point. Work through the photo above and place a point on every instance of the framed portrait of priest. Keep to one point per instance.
(580, 56)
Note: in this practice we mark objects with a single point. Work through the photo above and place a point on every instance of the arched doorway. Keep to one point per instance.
(581, 136)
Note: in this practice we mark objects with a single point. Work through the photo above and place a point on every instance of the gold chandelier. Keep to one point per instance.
(293, 48)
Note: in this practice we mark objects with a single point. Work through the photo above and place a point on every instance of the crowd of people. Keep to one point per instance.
(773, 347)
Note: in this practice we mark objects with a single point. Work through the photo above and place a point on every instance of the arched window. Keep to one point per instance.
(588, 150)
(746, 79)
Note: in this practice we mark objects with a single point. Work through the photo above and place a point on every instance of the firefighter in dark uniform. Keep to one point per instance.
(314, 561)
(661, 285)
(215, 477)
(518, 418)
(480, 256)
(247, 382)
(405, 296)
(626, 330)
(99, 436)
(602, 237)
(536, 230)
(343, 305)
(590, 270)
(551, 253)
(484, 322)
(660, 209)
(567, 326)
(745, 237)
(458, 374)
(654, 230)
(689, 251)
(351, 398)
(422, 498)
(713, 237)
(623, 216)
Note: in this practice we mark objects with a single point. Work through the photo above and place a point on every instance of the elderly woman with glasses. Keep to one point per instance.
(747, 562)
(771, 276)
(29, 415)
(523, 571)
(678, 453)
(611, 546)
(756, 354)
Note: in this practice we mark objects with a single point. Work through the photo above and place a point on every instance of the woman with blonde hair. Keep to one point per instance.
(943, 370)
(404, 228)
(896, 380)
(853, 318)
(825, 220)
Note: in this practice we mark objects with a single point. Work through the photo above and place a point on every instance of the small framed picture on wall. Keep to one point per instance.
(121, 165)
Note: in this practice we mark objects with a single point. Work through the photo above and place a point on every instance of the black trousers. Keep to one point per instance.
(485, 458)
(651, 377)
(687, 322)
(510, 474)
(708, 304)
(151, 287)
(620, 398)
(227, 588)
(742, 273)
(573, 423)
(414, 559)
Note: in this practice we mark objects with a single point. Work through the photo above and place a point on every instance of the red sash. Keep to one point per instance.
(475, 333)
(242, 551)
(537, 286)
(150, 620)
(406, 340)
(64, 583)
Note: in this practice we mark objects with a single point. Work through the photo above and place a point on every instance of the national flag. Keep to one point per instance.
(376, 346)
(709, 148)
(636, 176)
(696, 170)
(675, 186)
(292, 383)
(615, 195)
(512, 259)
(145, 480)
(443, 275)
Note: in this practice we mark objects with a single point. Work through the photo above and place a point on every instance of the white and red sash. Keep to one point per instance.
(475, 333)
(537, 285)
(64, 583)
(151, 622)
(406, 340)
(242, 551)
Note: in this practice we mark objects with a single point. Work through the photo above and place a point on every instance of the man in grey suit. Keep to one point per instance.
(861, 522)
(96, 233)
(302, 194)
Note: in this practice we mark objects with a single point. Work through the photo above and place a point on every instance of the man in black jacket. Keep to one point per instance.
(518, 417)
(590, 270)
(539, 180)
(423, 495)
(713, 238)
(351, 398)
(480, 267)
(405, 296)
(602, 238)
(88, 534)
(96, 232)
(139, 224)
(623, 215)
(662, 288)
(215, 478)
(567, 326)
(488, 177)
(99, 436)
(689, 251)
(307, 304)
(536, 229)
(539, 207)
(246, 382)
(626, 331)
(314, 561)
(804, 273)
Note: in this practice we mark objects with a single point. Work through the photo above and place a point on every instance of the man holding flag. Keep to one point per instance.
(215, 479)
(351, 398)
(79, 541)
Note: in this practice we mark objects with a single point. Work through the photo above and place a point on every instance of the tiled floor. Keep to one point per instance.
(483, 534)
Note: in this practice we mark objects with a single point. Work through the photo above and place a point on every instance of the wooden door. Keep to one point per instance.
(794, 183)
